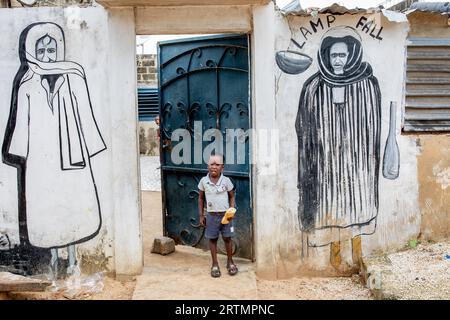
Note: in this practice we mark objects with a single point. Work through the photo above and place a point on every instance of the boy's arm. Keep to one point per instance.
(201, 212)
(232, 199)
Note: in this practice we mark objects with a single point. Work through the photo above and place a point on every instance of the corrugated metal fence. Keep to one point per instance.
(428, 85)
(148, 103)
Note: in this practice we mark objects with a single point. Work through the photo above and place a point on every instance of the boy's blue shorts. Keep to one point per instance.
(214, 226)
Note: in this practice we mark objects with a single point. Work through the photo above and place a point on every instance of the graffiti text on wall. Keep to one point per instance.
(365, 24)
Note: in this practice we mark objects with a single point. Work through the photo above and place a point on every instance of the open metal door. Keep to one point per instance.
(204, 84)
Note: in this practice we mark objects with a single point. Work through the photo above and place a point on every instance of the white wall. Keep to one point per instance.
(124, 119)
(281, 249)
(103, 43)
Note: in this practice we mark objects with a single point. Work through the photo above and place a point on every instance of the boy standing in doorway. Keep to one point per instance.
(219, 194)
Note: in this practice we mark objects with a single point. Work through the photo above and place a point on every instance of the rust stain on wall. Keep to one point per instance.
(434, 186)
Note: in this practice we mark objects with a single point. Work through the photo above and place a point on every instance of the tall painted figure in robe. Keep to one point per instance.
(338, 128)
(51, 137)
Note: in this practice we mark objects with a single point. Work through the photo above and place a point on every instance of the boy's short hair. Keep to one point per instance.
(214, 154)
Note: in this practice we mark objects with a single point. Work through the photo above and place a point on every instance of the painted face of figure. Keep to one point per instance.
(46, 49)
(338, 57)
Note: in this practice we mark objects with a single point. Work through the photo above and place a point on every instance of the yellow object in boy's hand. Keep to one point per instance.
(228, 215)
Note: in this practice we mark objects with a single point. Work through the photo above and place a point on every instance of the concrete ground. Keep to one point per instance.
(185, 273)
(150, 173)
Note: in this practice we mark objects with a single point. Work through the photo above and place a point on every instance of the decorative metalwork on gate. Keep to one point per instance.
(206, 80)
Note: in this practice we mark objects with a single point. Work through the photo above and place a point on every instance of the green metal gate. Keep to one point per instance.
(204, 84)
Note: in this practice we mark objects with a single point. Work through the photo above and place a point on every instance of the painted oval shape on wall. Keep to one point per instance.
(292, 62)
(28, 3)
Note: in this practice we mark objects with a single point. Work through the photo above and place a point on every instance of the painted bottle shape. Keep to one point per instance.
(391, 161)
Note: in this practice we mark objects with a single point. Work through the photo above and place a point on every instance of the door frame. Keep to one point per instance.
(258, 22)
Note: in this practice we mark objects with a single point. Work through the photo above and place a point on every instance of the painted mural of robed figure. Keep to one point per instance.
(338, 128)
(50, 138)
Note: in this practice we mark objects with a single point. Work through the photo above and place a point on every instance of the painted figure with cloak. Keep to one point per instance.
(338, 128)
(50, 138)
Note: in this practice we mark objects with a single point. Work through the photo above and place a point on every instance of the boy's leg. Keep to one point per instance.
(227, 234)
(213, 248)
(215, 270)
(212, 233)
(229, 248)
(231, 267)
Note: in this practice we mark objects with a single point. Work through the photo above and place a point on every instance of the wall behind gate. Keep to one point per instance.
(66, 198)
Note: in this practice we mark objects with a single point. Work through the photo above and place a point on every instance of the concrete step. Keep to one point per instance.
(10, 282)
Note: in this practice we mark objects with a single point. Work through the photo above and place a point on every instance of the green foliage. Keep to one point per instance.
(413, 243)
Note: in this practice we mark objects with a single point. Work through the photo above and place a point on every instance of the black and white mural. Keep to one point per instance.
(51, 137)
(338, 127)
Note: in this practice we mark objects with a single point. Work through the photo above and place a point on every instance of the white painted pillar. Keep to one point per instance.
(265, 190)
(128, 236)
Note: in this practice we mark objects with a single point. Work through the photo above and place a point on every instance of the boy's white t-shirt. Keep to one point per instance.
(216, 194)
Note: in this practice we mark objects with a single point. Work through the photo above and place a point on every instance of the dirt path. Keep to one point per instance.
(184, 274)
(313, 289)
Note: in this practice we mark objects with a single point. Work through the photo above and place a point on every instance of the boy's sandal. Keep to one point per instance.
(215, 272)
(232, 269)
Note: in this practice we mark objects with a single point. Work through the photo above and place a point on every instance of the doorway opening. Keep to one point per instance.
(193, 99)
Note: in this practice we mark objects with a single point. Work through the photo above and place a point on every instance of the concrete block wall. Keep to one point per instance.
(146, 70)
(147, 76)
